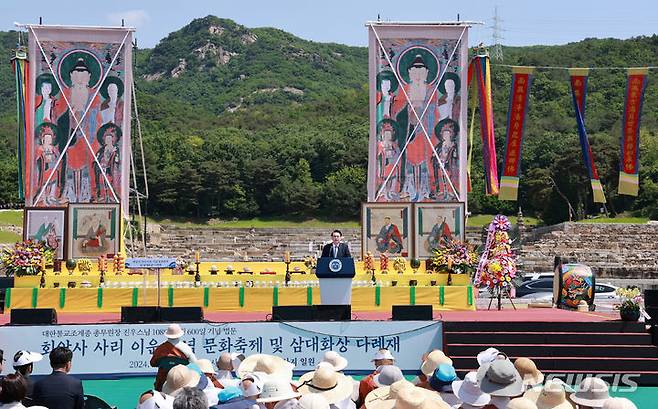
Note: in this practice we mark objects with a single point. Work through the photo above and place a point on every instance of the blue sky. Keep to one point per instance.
(342, 21)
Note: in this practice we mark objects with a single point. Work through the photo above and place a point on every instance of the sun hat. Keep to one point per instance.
(469, 392)
(23, 357)
(276, 390)
(434, 359)
(591, 392)
(288, 404)
(487, 356)
(383, 354)
(269, 364)
(521, 403)
(179, 377)
(228, 393)
(387, 375)
(618, 403)
(313, 401)
(158, 400)
(335, 359)
(442, 378)
(416, 398)
(384, 397)
(256, 386)
(236, 360)
(500, 378)
(174, 331)
(325, 381)
(549, 396)
(528, 371)
(205, 366)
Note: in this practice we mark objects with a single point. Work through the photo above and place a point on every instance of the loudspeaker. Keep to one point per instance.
(293, 313)
(139, 314)
(412, 312)
(651, 298)
(653, 313)
(181, 314)
(333, 313)
(33, 316)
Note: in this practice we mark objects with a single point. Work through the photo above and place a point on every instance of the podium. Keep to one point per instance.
(335, 276)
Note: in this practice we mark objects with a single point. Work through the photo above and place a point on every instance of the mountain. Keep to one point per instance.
(242, 122)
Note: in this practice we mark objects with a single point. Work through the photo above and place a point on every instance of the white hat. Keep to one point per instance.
(591, 392)
(205, 365)
(23, 357)
(521, 403)
(550, 396)
(387, 375)
(335, 359)
(618, 403)
(313, 401)
(269, 364)
(469, 392)
(174, 331)
(256, 386)
(325, 381)
(276, 390)
(433, 360)
(179, 377)
(487, 356)
(288, 404)
(383, 354)
(158, 400)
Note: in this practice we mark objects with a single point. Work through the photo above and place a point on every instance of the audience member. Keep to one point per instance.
(591, 393)
(24, 364)
(2, 361)
(530, 375)
(251, 386)
(335, 387)
(232, 397)
(383, 357)
(155, 400)
(12, 391)
(313, 401)
(521, 403)
(469, 393)
(173, 347)
(551, 395)
(190, 398)
(227, 365)
(276, 390)
(59, 389)
(500, 378)
(266, 366)
(618, 403)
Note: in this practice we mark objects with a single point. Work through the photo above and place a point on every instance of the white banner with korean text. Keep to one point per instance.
(125, 349)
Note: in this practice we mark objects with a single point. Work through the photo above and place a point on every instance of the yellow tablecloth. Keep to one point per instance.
(234, 299)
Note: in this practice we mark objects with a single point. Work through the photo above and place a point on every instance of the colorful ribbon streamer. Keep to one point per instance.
(579, 93)
(480, 69)
(516, 116)
(20, 66)
(629, 165)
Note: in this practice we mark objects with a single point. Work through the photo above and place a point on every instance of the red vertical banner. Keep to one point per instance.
(629, 165)
(516, 119)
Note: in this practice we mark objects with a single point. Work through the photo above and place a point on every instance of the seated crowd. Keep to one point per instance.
(263, 381)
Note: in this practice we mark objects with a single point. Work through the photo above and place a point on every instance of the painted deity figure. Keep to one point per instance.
(45, 102)
(388, 152)
(109, 106)
(440, 235)
(389, 239)
(46, 155)
(448, 152)
(449, 104)
(95, 236)
(47, 232)
(109, 157)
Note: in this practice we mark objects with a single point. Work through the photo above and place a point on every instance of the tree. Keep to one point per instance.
(343, 192)
(296, 194)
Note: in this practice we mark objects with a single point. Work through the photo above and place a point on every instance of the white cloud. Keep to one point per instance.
(132, 18)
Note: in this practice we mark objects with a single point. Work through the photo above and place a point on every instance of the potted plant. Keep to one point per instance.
(629, 309)
(25, 258)
(455, 257)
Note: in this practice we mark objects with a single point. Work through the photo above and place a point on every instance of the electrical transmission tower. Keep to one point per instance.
(497, 37)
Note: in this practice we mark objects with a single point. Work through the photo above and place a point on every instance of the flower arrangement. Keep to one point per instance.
(631, 300)
(455, 257)
(311, 263)
(25, 258)
(84, 265)
(497, 266)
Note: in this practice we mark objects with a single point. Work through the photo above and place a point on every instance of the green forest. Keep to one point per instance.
(240, 122)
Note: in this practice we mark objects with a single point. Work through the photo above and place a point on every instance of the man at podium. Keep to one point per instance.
(336, 249)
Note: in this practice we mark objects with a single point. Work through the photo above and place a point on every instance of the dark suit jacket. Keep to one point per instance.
(59, 390)
(343, 250)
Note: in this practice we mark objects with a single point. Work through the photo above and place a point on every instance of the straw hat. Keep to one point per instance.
(335, 359)
(384, 397)
(313, 401)
(618, 403)
(469, 392)
(383, 354)
(500, 378)
(434, 359)
(591, 392)
(387, 375)
(26, 357)
(179, 377)
(528, 371)
(416, 398)
(269, 364)
(276, 390)
(550, 396)
(205, 366)
(521, 403)
(174, 331)
(334, 386)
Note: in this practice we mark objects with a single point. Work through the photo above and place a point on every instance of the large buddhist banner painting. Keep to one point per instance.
(80, 116)
(418, 109)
